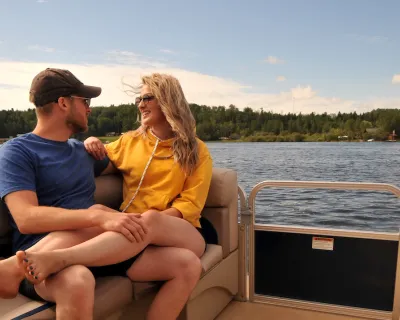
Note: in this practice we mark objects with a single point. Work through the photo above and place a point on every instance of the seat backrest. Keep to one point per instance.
(221, 206)
(109, 190)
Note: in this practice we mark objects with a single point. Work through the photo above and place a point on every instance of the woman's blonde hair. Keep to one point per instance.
(171, 99)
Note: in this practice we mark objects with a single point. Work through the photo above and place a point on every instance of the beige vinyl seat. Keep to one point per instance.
(119, 298)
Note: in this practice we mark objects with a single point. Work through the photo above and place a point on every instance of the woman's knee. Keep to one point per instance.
(151, 218)
(188, 266)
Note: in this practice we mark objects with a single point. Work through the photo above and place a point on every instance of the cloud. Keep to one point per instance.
(280, 78)
(368, 39)
(41, 48)
(16, 77)
(42, 1)
(130, 58)
(301, 93)
(396, 78)
(168, 51)
(274, 60)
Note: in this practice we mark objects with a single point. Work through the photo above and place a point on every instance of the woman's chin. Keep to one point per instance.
(147, 122)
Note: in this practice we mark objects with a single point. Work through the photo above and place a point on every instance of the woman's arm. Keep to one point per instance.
(193, 197)
(98, 151)
(173, 212)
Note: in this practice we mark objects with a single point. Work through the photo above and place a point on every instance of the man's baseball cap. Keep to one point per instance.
(52, 83)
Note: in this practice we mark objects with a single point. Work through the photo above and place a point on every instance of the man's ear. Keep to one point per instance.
(63, 103)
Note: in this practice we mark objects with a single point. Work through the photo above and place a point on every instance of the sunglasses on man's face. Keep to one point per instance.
(145, 99)
(86, 100)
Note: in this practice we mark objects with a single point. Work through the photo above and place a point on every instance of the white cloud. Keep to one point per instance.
(273, 60)
(280, 78)
(130, 58)
(42, 1)
(303, 93)
(16, 77)
(168, 51)
(368, 39)
(396, 78)
(41, 48)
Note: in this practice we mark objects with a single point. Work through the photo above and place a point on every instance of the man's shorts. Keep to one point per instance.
(27, 288)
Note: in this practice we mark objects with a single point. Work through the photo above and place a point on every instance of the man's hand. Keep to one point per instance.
(95, 148)
(129, 224)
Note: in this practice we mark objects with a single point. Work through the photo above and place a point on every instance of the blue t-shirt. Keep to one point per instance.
(61, 173)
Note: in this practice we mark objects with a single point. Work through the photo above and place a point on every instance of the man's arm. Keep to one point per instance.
(32, 218)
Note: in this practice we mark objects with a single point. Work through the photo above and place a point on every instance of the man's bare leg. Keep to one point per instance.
(181, 270)
(72, 289)
(163, 230)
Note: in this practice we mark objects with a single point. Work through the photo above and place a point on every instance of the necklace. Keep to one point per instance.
(160, 140)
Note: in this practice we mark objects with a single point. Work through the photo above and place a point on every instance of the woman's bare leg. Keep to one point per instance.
(111, 247)
(181, 270)
(12, 270)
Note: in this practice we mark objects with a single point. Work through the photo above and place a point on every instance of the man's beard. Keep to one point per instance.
(74, 125)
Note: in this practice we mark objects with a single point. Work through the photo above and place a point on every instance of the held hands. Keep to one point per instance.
(95, 148)
(129, 224)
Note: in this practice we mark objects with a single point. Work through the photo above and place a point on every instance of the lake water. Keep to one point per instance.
(355, 162)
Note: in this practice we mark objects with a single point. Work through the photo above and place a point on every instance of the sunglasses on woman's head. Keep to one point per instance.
(145, 99)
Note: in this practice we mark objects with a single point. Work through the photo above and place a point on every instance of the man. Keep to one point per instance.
(47, 183)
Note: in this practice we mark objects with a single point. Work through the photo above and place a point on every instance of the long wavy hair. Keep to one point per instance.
(176, 110)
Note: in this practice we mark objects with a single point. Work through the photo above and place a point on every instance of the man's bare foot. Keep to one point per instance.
(10, 278)
(39, 265)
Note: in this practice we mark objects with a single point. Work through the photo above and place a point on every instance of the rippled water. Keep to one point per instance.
(356, 162)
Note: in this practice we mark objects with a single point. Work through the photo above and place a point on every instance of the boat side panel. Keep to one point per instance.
(357, 272)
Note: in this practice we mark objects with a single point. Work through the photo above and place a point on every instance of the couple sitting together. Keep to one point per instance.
(63, 241)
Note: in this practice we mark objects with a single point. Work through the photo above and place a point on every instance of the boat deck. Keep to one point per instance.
(247, 310)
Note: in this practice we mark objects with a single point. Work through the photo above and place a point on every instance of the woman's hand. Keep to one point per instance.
(95, 148)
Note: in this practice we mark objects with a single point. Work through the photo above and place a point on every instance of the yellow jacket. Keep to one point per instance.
(165, 184)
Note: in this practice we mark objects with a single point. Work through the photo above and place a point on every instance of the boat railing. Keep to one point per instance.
(249, 231)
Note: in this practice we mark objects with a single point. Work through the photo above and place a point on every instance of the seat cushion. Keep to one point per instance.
(21, 305)
(210, 258)
(112, 294)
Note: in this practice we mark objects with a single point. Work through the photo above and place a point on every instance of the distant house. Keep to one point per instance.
(392, 136)
(111, 134)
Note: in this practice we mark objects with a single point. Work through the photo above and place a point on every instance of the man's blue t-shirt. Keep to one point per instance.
(61, 174)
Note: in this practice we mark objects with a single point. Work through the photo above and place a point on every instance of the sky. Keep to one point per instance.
(282, 56)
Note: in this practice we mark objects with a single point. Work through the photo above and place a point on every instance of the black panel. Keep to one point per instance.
(358, 272)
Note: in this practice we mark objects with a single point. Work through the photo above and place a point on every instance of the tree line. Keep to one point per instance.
(230, 123)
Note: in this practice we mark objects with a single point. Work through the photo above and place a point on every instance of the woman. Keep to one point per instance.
(164, 166)
(166, 177)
